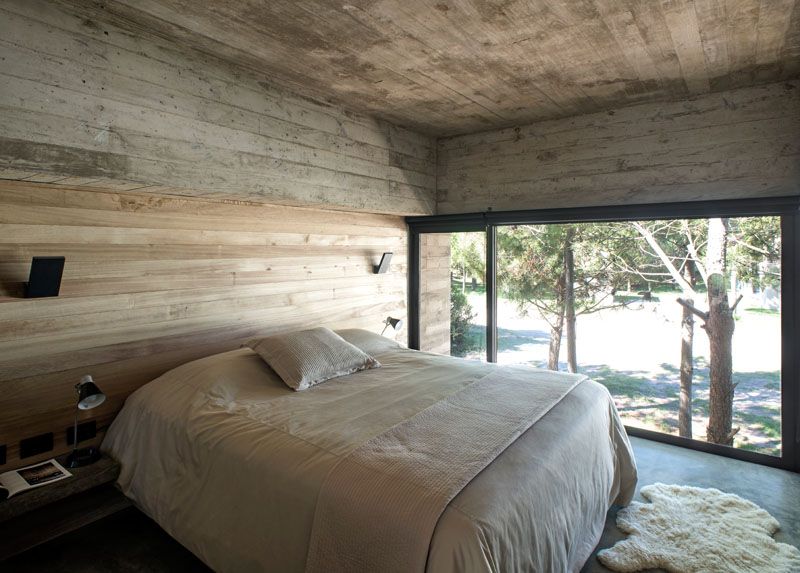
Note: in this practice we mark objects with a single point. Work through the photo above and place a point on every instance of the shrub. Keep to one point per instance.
(460, 317)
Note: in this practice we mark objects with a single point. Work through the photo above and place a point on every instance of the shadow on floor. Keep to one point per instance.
(126, 542)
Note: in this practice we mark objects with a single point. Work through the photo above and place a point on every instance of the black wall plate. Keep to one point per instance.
(36, 445)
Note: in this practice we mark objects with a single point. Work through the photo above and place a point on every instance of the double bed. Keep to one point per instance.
(241, 469)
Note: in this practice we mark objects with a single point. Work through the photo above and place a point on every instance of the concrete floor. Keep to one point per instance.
(130, 542)
(775, 490)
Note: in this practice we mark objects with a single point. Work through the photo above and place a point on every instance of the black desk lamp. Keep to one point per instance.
(395, 323)
(89, 396)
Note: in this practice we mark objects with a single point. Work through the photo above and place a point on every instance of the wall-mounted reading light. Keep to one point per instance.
(395, 323)
(45, 277)
(383, 266)
(89, 396)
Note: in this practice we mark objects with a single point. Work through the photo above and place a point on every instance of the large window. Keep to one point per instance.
(627, 304)
(683, 319)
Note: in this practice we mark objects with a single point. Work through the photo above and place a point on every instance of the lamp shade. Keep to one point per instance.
(395, 323)
(89, 395)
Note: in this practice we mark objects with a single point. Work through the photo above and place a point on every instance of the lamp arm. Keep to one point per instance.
(384, 328)
(75, 432)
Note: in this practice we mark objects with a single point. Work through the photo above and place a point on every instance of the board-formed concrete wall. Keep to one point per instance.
(87, 103)
(742, 143)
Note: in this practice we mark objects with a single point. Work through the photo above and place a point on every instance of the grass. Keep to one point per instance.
(632, 298)
(772, 379)
(769, 425)
(763, 311)
(621, 384)
(652, 399)
(455, 285)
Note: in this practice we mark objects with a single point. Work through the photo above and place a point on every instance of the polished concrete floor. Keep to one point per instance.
(129, 542)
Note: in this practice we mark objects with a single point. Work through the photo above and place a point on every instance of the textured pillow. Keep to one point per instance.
(309, 357)
(370, 342)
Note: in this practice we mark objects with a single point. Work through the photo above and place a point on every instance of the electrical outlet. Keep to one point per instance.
(36, 445)
(86, 431)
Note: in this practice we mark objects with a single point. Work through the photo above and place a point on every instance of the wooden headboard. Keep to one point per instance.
(151, 282)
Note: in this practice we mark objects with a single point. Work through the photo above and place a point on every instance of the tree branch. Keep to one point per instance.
(698, 264)
(692, 309)
(676, 276)
(749, 246)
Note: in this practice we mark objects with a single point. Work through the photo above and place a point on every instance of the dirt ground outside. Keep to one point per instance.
(635, 353)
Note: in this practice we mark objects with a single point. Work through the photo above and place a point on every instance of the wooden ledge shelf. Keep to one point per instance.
(39, 515)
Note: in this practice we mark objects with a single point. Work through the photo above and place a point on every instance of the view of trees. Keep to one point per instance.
(563, 271)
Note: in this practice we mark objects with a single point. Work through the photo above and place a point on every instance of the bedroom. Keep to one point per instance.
(212, 174)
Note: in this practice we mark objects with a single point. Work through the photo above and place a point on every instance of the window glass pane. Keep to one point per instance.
(631, 333)
(453, 294)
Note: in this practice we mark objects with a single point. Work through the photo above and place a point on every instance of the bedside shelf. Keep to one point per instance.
(33, 517)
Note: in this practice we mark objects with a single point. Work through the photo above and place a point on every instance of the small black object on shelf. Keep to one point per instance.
(45, 277)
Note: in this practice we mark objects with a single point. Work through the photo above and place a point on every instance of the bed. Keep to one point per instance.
(236, 466)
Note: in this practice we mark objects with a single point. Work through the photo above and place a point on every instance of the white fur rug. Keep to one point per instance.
(694, 530)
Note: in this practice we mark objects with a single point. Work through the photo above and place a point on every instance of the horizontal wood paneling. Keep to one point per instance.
(743, 143)
(153, 281)
(86, 104)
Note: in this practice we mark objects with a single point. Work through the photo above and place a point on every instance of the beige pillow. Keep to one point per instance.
(309, 357)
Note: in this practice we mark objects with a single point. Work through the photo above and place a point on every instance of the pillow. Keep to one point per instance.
(370, 342)
(309, 357)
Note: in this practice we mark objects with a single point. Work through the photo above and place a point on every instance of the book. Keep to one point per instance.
(29, 477)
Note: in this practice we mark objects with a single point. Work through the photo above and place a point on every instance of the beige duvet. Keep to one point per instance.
(231, 462)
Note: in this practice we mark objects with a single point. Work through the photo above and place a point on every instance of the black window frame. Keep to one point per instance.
(788, 208)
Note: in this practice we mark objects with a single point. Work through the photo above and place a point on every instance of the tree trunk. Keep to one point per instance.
(719, 327)
(555, 344)
(687, 361)
(557, 328)
(569, 302)
(474, 284)
(463, 279)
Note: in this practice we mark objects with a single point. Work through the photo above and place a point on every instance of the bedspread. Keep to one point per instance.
(378, 507)
(231, 463)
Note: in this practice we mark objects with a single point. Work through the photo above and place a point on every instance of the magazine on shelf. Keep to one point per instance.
(29, 477)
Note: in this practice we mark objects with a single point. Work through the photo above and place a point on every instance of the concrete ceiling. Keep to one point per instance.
(447, 67)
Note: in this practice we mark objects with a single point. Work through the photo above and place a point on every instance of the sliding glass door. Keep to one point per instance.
(453, 294)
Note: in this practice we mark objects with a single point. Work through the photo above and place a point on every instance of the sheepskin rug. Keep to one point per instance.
(693, 530)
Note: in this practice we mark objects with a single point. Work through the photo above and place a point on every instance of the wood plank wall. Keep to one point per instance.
(153, 281)
(86, 103)
(435, 292)
(743, 143)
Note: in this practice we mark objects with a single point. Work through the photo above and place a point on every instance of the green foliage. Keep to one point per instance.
(755, 250)
(468, 254)
(531, 270)
(460, 317)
